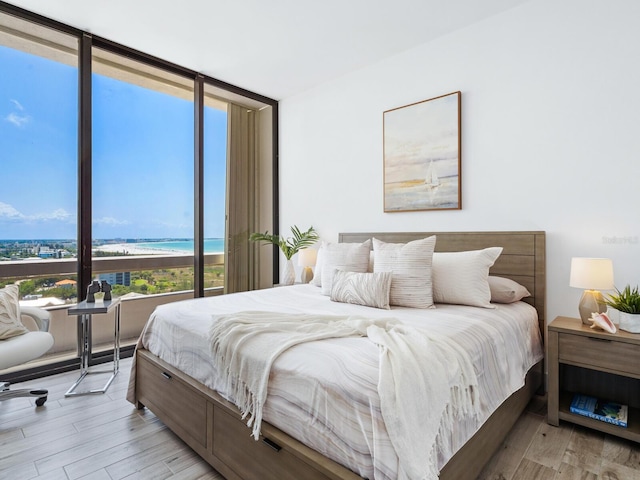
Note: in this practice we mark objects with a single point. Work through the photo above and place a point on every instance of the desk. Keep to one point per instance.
(84, 311)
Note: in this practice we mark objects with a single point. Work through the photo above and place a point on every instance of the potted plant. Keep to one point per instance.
(627, 303)
(289, 246)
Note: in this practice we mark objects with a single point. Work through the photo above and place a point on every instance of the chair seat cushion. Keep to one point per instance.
(24, 348)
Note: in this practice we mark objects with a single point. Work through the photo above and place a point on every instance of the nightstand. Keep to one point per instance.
(596, 363)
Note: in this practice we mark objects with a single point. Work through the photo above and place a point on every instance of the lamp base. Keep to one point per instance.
(592, 301)
(307, 275)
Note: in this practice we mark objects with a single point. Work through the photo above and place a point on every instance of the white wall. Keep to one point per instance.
(550, 129)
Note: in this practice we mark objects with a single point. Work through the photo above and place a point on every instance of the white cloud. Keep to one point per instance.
(7, 211)
(17, 104)
(58, 214)
(16, 117)
(109, 221)
(17, 120)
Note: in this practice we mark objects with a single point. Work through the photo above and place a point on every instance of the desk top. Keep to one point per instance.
(99, 306)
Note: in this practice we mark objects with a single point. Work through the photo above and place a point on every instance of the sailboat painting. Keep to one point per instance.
(422, 147)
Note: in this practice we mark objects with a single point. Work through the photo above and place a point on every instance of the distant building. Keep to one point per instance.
(116, 278)
(66, 284)
(48, 252)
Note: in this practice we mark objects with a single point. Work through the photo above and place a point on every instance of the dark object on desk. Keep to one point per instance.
(92, 289)
(106, 288)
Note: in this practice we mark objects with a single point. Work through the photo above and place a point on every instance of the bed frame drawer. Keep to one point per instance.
(175, 402)
(264, 459)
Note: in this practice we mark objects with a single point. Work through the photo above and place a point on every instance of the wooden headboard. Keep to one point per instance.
(522, 258)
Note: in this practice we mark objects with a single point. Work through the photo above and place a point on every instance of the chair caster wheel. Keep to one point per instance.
(40, 401)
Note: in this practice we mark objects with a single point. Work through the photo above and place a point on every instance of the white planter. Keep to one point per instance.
(629, 322)
(289, 274)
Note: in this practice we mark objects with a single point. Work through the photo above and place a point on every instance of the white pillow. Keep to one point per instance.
(410, 263)
(10, 324)
(352, 257)
(369, 289)
(461, 278)
(505, 290)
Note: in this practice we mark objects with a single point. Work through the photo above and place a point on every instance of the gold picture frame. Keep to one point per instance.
(422, 155)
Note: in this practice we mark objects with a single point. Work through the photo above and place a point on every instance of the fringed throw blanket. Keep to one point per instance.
(425, 383)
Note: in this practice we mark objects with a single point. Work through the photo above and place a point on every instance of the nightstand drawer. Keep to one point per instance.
(601, 353)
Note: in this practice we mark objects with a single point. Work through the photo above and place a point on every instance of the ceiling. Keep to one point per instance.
(276, 48)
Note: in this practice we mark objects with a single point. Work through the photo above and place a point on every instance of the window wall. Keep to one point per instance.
(110, 174)
(215, 172)
(38, 158)
(214, 187)
(142, 168)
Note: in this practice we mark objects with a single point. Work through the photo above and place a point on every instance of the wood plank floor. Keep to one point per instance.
(103, 437)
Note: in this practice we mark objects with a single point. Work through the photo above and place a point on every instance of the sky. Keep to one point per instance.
(142, 156)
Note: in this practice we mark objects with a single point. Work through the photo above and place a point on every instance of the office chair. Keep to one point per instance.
(24, 348)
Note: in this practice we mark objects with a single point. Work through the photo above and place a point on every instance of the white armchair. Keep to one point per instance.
(24, 348)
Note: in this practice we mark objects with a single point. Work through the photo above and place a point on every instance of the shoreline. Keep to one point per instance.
(133, 249)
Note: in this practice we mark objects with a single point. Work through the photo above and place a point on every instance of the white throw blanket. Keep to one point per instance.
(424, 382)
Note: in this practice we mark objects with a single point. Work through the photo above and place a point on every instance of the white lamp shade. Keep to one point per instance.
(307, 257)
(591, 273)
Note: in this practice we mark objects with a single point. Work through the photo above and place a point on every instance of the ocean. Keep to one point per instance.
(211, 245)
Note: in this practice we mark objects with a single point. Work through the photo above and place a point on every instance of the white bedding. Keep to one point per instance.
(325, 393)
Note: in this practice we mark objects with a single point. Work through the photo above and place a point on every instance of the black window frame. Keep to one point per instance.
(86, 42)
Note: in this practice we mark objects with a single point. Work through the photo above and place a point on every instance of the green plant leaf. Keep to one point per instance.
(289, 246)
(627, 300)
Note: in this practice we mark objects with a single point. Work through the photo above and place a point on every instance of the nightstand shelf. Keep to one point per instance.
(583, 360)
(630, 432)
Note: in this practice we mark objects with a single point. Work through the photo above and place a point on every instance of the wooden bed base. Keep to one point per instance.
(212, 427)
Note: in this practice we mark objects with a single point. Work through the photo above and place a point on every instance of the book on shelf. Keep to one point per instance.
(598, 409)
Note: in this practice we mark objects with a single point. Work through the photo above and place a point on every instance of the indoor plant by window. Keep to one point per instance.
(289, 246)
(627, 303)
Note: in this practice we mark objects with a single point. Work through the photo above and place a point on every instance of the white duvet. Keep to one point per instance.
(325, 393)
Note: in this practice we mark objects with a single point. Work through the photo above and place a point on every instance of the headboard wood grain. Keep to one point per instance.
(522, 258)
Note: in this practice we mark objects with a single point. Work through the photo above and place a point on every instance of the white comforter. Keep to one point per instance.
(325, 393)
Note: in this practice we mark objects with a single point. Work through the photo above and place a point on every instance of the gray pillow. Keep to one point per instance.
(505, 290)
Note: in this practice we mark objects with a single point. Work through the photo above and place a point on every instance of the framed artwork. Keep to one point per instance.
(422, 155)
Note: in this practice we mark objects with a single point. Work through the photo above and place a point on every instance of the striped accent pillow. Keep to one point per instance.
(369, 289)
(410, 264)
(352, 257)
(462, 278)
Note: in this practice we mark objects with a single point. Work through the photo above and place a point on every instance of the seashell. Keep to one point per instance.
(602, 321)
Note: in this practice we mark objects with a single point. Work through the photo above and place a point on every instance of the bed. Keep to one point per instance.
(292, 446)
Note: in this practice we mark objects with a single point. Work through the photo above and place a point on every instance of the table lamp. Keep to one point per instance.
(307, 259)
(592, 274)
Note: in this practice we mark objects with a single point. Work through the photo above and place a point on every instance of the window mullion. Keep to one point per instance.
(84, 166)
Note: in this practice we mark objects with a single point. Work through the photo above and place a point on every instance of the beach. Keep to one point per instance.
(165, 247)
(133, 249)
